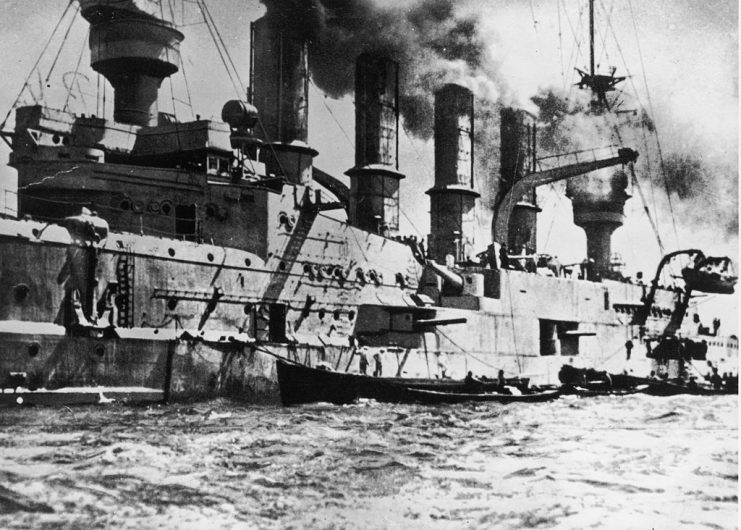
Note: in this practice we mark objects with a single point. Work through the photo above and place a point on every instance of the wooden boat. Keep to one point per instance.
(432, 397)
(303, 384)
(602, 391)
(674, 388)
(589, 382)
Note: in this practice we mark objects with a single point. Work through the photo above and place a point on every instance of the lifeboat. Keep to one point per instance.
(713, 275)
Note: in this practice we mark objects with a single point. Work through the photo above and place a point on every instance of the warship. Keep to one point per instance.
(183, 258)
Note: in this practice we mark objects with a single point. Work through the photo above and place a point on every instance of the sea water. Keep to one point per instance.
(610, 462)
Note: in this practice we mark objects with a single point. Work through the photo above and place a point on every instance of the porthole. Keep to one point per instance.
(125, 204)
(307, 268)
(56, 139)
(321, 314)
(282, 265)
(172, 303)
(20, 292)
(336, 314)
(351, 315)
(247, 262)
(33, 349)
(171, 252)
(166, 208)
(210, 257)
(248, 308)
(99, 350)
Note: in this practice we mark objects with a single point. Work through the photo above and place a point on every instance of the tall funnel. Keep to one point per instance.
(280, 91)
(453, 198)
(374, 181)
(598, 200)
(518, 147)
(135, 50)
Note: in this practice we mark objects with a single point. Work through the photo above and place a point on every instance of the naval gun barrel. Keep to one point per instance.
(446, 274)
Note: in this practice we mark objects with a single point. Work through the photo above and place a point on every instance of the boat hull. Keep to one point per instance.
(301, 384)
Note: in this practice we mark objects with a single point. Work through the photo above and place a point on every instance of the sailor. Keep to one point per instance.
(628, 349)
(490, 257)
(363, 363)
(503, 257)
(500, 379)
(715, 379)
(471, 383)
(379, 366)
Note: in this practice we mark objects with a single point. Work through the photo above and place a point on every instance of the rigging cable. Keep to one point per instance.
(560, 40)
(61, 46)
(77, 69)
(238, 88)
(535, 27)
(576, 52)
(213, 29)
(616, 129)
(650, 106)
(426, 170)
(645, 208)
(329, 110)
(603, 36)
(36, 64)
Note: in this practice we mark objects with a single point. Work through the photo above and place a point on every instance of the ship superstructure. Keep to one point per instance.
(189, 255)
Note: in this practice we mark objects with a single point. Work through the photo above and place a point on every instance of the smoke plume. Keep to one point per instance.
(695, 189)
(434, 41)
(441, 41)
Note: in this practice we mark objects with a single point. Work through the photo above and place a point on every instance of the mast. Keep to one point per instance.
(591, 38)
(599, 84)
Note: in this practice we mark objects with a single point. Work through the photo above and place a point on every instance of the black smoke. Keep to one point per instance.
(433, 41)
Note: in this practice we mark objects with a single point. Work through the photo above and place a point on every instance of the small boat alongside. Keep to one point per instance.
(588, 382)
(303, 384)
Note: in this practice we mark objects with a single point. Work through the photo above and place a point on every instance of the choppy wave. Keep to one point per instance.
(627, 462)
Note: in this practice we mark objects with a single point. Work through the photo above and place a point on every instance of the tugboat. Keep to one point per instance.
(189, 257)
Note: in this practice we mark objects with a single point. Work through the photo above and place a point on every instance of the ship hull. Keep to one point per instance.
(197, 321)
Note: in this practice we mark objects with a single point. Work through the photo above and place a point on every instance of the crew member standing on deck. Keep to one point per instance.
(379, 366)
(628, 349)
(363, 363)
(503, 257)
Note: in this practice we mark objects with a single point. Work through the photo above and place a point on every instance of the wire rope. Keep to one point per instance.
(36, 64)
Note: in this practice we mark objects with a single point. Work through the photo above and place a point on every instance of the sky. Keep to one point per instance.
(681, 56)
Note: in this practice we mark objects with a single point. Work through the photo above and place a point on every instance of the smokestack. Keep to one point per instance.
(598, 200)
(135, 50)
(518, 148)
(453, 198)
(280, 91)
(374, 181)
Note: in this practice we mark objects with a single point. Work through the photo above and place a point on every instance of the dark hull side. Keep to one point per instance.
(301, 384)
